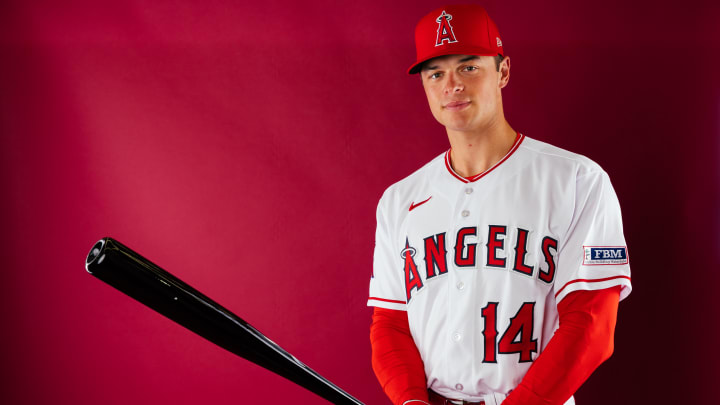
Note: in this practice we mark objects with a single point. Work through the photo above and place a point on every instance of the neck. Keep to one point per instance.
(473, 152)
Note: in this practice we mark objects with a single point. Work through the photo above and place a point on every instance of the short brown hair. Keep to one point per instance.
(498, 60)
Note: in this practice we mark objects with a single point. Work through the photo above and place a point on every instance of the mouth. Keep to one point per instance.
(456, 105)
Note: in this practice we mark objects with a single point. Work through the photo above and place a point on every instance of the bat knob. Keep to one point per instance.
(96, 253)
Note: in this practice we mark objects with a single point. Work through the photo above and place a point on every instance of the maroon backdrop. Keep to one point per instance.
(243, 147)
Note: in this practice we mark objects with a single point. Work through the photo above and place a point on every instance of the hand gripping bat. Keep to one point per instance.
(122, 268)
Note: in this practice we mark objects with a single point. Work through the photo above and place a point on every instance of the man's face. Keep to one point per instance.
(464, 91)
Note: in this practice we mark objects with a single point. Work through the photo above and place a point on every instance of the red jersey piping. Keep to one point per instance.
(518, 140)
(386, 300)
(583, 280)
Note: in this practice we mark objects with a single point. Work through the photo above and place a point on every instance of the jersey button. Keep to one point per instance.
(465, 213)
(468, 190)
(459, 387)
(457, 336)
(460, 285)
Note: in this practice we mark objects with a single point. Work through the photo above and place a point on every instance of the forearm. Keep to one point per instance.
(582, 342)
(395, 358)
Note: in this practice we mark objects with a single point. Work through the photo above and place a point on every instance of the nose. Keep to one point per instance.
(453, 84)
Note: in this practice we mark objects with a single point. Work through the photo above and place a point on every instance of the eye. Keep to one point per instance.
(434, 75)
(469, 68)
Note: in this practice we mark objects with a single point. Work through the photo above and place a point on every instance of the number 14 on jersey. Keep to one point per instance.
(517, 338)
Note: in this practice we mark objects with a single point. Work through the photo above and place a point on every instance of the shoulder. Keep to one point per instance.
(399, 193)
(555, 158)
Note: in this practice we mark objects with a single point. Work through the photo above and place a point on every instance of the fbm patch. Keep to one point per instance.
(605, 255)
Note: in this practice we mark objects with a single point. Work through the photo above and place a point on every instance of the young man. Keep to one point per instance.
(498, 265)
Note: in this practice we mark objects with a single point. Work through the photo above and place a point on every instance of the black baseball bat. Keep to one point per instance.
(136, 276)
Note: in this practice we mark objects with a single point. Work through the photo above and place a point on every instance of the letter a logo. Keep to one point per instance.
(445, 30)
(412, 277)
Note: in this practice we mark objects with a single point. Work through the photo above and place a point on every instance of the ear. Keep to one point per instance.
(504, 73)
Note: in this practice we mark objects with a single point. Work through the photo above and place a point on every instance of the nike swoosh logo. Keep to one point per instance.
(413, 205)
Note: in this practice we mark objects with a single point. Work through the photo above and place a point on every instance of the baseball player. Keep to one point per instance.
(499, 265)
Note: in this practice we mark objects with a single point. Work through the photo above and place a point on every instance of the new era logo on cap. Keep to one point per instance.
(455, 30)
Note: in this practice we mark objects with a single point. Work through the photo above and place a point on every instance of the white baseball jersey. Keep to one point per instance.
(480, 263)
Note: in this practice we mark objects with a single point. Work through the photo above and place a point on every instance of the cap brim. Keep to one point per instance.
(415, 68)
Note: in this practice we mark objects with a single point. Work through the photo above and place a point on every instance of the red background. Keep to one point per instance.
(243, 147)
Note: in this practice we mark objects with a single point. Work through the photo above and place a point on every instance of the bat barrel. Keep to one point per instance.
(136, 276)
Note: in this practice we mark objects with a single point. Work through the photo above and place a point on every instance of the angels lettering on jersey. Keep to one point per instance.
(499, 253)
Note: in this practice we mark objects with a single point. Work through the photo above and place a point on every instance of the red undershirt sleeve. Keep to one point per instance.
(395, 358)
(581, 343)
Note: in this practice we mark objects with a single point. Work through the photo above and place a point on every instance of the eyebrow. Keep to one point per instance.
(471, 57)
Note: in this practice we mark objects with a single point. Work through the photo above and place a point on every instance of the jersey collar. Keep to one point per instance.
(516, 145)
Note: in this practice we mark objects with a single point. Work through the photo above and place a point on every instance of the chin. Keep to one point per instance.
(458, 125)
(457, 122)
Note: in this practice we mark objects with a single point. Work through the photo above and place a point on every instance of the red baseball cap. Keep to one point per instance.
(456, 30)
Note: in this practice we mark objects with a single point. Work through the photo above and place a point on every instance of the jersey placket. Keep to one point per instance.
(461, 287)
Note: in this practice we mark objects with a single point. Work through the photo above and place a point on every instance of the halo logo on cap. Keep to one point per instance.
(445, 30)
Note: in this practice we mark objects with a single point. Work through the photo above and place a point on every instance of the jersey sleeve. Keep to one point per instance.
(594, 254)
(387, 281)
